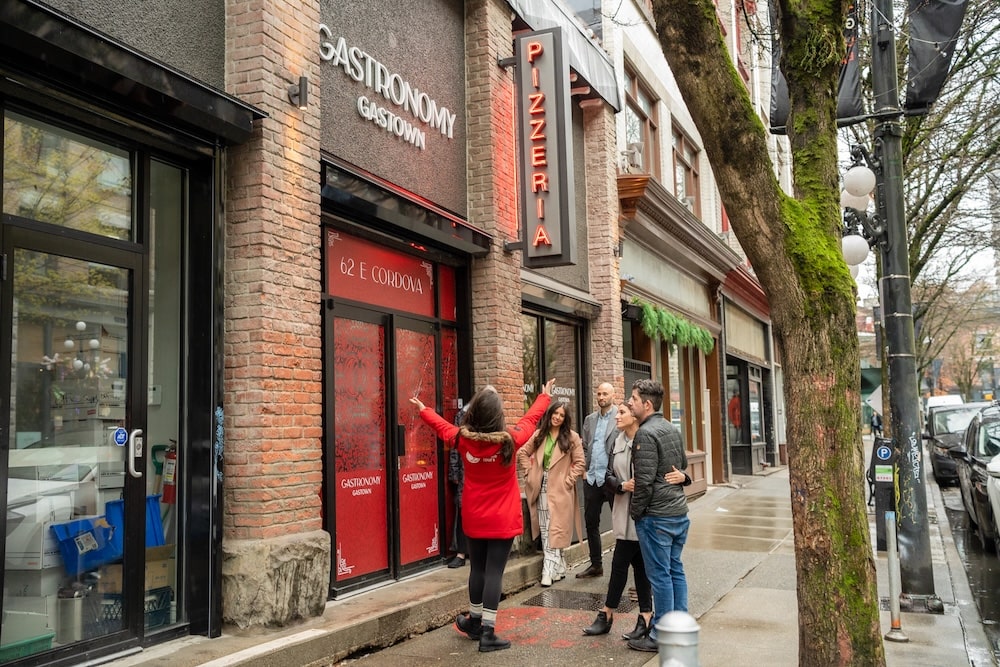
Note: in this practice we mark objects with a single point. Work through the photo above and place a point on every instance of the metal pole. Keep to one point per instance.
(914, 537)
(896, 633)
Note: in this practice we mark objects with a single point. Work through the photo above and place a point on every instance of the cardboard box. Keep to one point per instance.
(159, 571)
(91, 499)
(31, 545)
(34, 583)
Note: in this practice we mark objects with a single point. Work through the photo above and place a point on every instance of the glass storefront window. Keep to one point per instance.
(529, 358)
(561, 345)
(677, 391)
(66, 179)
(756, 423)
(734, 408)
(552, 349)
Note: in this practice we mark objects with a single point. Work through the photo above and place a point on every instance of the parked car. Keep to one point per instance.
(945, 428)
(981, 445)
(993, 491)
(947, 399)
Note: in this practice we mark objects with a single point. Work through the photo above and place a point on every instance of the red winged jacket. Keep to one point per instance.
(491, 499)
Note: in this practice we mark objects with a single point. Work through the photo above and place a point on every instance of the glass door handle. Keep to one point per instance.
(401, 439)
(134, 452)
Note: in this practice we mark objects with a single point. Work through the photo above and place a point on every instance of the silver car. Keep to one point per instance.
(981, 444)
(993, 490)
(945, 430)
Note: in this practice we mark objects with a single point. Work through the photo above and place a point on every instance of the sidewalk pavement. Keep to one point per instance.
(741, 575)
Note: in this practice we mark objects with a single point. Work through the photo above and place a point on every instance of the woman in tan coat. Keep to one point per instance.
(553, 461)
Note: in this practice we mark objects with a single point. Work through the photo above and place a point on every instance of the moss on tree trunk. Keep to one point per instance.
(794, 246)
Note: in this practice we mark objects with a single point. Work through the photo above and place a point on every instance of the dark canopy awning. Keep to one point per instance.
(38, 41)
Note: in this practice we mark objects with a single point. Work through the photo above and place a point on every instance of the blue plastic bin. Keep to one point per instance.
(115, 510)
(86, 544)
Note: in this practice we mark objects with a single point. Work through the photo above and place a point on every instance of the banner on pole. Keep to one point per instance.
(934, 26)
(849, 106)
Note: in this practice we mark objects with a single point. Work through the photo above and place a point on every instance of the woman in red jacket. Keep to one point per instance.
(491, 500)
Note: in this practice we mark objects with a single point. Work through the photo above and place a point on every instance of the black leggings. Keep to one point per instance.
(487, 560)
(627, 553)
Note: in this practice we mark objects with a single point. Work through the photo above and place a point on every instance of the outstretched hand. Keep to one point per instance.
(547, 387)
(417, 402)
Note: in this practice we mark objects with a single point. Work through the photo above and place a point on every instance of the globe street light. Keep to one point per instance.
(859, 181)
(858, 203)
(855, 249)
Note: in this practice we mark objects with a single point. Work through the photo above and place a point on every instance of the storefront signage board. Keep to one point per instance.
(548, 226)
(363, 271)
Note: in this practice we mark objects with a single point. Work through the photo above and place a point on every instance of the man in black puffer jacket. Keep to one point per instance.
(659, 506)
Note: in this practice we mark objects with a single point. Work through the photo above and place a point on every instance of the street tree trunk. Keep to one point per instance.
(793, 243)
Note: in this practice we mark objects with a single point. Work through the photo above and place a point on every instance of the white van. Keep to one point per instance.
(947, 399)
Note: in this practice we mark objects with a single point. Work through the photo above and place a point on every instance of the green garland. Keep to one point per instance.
(674, 329)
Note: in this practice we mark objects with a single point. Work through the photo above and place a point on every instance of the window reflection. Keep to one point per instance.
(677, 390)
(66, 179)
(551, 350)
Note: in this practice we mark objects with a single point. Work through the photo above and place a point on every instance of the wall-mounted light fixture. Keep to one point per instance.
(299, 94)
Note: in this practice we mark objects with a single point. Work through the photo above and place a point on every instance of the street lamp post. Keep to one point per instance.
(887, 229)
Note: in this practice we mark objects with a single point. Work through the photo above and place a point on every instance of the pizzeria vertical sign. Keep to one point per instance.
(548, 227)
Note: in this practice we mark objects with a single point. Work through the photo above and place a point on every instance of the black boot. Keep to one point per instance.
(640, 629)
(600, 626)
(472, 627)
(490, 642)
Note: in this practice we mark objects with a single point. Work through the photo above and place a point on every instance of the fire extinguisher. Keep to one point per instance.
(170, 474)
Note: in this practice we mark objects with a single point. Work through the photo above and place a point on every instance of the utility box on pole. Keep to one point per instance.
(881, 473)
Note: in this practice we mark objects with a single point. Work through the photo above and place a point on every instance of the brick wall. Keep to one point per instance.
(603, 232)
(273, 372)
(496, 283)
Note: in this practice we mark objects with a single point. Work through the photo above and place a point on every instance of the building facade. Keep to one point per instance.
(237, 237)
(220, 302)
(695, 317)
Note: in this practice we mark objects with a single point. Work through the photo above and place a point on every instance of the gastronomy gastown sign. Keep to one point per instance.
(392, 103)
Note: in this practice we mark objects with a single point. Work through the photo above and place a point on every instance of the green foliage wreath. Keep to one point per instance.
(672, 328)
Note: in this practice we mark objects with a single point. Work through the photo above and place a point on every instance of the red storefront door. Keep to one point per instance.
(385, 466)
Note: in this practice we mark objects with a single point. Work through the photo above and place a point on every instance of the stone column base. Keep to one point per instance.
(272, 582)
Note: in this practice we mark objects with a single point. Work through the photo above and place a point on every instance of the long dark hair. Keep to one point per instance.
(485, 415)
(545, 424)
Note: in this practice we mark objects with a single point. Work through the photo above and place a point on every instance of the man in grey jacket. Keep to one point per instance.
(599, 433)
(659, 505)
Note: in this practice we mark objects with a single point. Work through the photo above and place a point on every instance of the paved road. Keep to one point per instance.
(981, 566)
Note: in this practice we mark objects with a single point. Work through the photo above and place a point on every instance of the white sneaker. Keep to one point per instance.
(546, 579)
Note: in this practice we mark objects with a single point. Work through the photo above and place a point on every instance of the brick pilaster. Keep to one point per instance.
(496, 282)
(275, 568)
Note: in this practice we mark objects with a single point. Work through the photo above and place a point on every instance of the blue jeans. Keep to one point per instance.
(661, 539)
